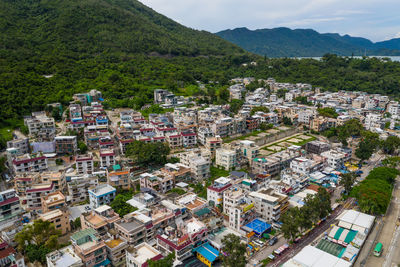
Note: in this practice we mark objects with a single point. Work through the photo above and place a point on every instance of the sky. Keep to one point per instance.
(376, 20)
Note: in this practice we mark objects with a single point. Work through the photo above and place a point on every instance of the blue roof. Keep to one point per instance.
(208, 252)
(103, 263)
(259, 226)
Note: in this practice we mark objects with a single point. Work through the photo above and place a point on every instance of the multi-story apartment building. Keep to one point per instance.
(23, 181)
(119, 177)
(158, 183)
(9, 257)
(393, 108)
(116, 251)
(84, 164)
(135, 228)
(66, 144)
(317, 147)
(269, 204)
(53, 201)
(78, 188)
(334, 158)
(216, 191)
(34, 194)
(9, 205)
(29, 163)
(305, 117)
(58, 258)
(58, 217)
(226, 159)
(107, 158)
(56, 178)
(22, 145)
(189, 139)
(249, 149)
(212, 144)
(41, 126)
(89, 247)
(203, 133)
(102, 194)
(199, 165)
(101, 219)
(301, 165)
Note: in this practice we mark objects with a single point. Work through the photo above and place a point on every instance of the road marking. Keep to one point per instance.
(389, 256)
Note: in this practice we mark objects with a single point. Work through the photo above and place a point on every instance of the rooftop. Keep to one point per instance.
(114, 243)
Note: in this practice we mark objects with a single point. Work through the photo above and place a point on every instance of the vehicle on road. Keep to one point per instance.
(378, 250)
(273, 241)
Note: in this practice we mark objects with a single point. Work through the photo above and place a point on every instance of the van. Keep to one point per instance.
(273, 241)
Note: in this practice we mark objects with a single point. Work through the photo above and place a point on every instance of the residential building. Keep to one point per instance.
(84, 164)
(9, 205)
(101, 219)
(215, 192)
(157, 182)
(189, 139)
(23, 181)
(107, 158)
(90, 248)
(202, 134)
(56, 178)
(41, 126)
(53, 201)
(9, 257)
(64, 257)
(301, 165)
(334, 158)
(135, 228)
(119, 177)
(58, 217)
(317, 147)
(78, 188)
(249, 149)
(116, 251)
(66, 144)
(29, 163)
(35, 193)
(139, 255)
(22, 145)
(270, 204)
(226, 159)
(212, 144)
(101, 195)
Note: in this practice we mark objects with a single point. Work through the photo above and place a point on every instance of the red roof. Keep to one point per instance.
(15, 161)
(23, 179)
(106, 154)
(126, 141)
(6, 252)
(188, 134)
(40, 189)
(146, 129)
(219, 189)
(174, 136)
(8, 201)
(84, 159)
(166, 129)
(159, 138)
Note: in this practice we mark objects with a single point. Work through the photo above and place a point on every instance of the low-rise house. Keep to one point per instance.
(158, 182)
(334, 158)
(56, 178)
(212, 144)
(30, 163)
(78, 188)
(119, 177)
(22, 145)
(101, 219)
(116, 251)
(226, 159)
(102, 194)
(34, 194)
(41, 126)
(107, 158)
(53, 201)
(317, 147)
(135, 228)
(9, 257)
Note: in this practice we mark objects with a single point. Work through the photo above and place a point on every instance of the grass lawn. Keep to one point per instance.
(217, 172)
(301, 143)
(6, 133)
(229, 139)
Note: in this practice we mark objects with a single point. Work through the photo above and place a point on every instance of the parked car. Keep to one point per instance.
(273, 241)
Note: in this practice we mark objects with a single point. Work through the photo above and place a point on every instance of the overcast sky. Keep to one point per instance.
(374, 19)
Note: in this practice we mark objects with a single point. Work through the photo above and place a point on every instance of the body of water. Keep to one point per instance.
(392, 58)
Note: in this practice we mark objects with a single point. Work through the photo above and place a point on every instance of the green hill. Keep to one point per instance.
(284, 42)
(121, 47)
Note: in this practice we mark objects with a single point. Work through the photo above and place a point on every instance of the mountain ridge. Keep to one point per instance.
(286, 42)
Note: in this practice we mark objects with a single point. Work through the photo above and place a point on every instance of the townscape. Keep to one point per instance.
(283, 175)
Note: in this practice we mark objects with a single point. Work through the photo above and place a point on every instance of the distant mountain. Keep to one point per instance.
(284, 42)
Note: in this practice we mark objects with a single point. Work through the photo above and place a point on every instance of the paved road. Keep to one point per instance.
(324, 226)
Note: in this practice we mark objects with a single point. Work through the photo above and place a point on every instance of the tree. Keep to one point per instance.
(390, 145)
(38, 239)
(76, 224)
(120, 206)
(235, 105)
(257, 109)
(287, 121)
(327, 112)
(164, 262)
(265, 126)
(391, 162)
(82, 147)
(148, 153)
(290, 223)
(56, 114)
(347, 180)
(235, 251)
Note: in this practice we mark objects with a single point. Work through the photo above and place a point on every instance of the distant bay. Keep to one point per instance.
(392, 58)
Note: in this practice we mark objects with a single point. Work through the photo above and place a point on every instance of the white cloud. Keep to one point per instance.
(375, 19)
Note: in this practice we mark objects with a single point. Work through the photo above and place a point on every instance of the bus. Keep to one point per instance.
(378, 250)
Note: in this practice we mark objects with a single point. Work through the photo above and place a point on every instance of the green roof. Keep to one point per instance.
(202, 212)
(84, 234)
(116, 167)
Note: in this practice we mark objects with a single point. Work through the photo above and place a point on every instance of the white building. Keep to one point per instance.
(103, 194)
(301, 165)
(107, 158)
(139, 255)
(305, 117)
(41, 126)
(226, 159)
(78, 187)
(393, 108)
(215, 192)
(30, 163)
(269, 204)
(199, 164)
(334, 158)
(84, 164)
(64, 257)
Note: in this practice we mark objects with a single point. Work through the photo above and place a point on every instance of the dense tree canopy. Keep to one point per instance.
(148, 153)
(235, 250)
